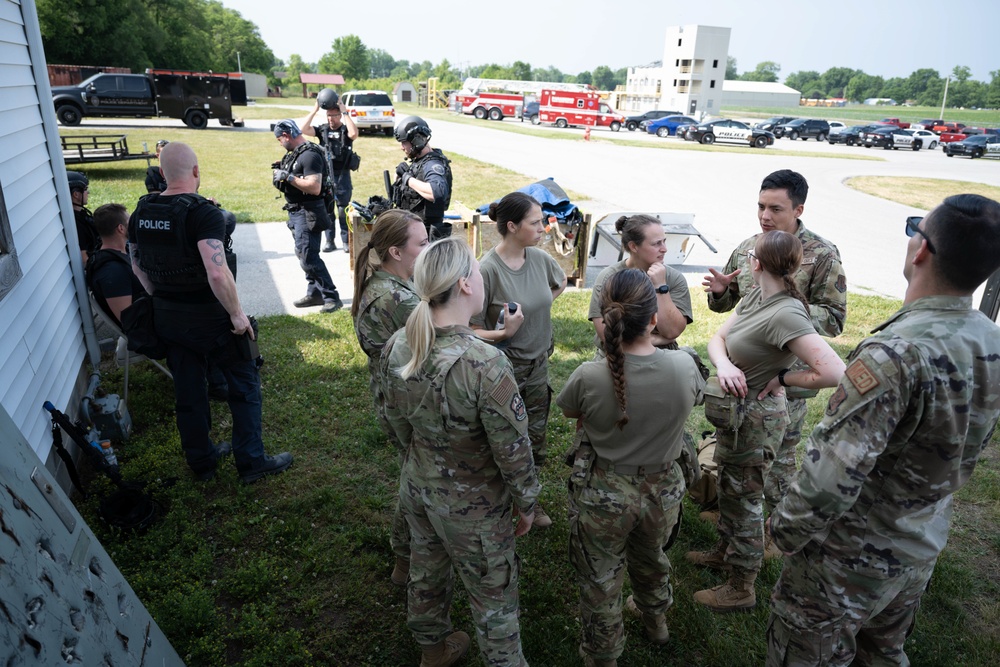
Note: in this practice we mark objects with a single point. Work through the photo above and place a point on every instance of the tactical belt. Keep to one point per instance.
(621, 469)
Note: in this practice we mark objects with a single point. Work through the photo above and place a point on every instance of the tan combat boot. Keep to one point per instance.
(737, 594)
(445, 653)
(655, 624)
(715, 558)
(401, 572)
(588, 661)
(771, 551)
(542, 520)
(711, 516)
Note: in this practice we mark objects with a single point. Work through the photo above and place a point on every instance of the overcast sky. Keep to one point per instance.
(578, 35)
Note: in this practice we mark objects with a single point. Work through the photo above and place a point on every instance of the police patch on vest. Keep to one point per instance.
(517, 407)
(836, 400)
(862, 378)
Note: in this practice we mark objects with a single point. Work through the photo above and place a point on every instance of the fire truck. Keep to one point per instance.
(494, 106)
(566, 108)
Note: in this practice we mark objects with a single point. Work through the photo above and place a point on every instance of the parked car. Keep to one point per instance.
(879, 137)
(927, 124)
(772, 123)
(632, 122)
(370, 110)
(947, 126)
(895, 121)
(980, 145)
(664, 127)
(914, 139)
(803, 128)
(851, 135)
(530, 113)
(836, 127)
(729, 130)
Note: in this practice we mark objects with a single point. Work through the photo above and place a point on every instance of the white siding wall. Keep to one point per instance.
(42, 347)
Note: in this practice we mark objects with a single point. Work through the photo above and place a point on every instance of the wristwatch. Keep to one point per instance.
(781, 377)
(663, 289)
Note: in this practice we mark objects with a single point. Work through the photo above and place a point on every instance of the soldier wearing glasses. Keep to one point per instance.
(820, 278)
(867, 516)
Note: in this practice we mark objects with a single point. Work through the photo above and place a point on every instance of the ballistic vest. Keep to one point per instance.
(289, 163)
(165, 254)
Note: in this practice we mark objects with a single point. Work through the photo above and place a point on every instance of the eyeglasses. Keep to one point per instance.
(912, 230)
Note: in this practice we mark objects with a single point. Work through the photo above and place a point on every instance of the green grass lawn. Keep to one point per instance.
(295, 570)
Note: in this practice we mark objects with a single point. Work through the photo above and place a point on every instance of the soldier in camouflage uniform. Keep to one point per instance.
(383, 300)
(820, 279)
(626, 487)
(869, 512)
(452, 402)
(752, 351)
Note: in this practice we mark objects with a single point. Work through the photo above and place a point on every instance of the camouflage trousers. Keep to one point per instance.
(822, 613)
(399, 537)
(483, 553)
(784, 468)
(744, 458)
(617, 523)
(533, 385)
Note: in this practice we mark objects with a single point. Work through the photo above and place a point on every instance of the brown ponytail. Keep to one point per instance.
(391, 229)
(780, 254)
(627, 306)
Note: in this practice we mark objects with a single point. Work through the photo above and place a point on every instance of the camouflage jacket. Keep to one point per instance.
(902, 432)
(463, 425)
(385, 305)
(821, 280)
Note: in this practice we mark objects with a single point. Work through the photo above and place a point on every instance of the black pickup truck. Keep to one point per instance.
(191, 96)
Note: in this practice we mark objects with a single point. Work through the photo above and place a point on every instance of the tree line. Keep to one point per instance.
(171, 34)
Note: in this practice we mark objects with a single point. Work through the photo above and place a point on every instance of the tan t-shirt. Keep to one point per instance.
(661, 388)
(531, 286)
(679, 294)
(757, 341)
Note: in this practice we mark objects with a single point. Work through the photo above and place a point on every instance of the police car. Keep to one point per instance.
(732, 131)
(914, 139)
(979, 145)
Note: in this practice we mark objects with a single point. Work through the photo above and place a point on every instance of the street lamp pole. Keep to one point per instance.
(945, 99)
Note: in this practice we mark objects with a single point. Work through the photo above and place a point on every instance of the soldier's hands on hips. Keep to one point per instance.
(524, 523)
(512, 321)
(732, 379)
(241, 324)
(657, 274)
(717, 283)
(772, 388)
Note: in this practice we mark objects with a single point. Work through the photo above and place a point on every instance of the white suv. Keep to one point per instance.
(370, 110)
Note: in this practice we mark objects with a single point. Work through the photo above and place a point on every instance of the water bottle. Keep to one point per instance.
(512, 307)
(109, 453)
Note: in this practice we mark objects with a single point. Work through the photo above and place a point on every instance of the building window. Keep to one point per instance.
(712, 84)
(10, 267)
(679, 42)
(677, 63)
(709, 105)
(675, 83)
(715, 64)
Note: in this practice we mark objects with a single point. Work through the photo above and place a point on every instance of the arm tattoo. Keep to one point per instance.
(218, 257)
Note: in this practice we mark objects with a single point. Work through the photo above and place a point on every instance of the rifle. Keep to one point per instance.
(89, 447)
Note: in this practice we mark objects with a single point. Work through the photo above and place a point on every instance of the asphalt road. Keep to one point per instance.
(719, 187)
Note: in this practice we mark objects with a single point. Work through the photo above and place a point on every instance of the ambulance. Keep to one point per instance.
(565, 108)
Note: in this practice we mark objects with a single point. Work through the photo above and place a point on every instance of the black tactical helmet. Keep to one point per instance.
(415, 130)
(327, 99)
(78, 181)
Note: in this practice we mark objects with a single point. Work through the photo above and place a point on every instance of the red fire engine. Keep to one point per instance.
(564, 108)
(494, 106)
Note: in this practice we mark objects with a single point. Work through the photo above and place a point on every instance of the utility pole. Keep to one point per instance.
(945, 98)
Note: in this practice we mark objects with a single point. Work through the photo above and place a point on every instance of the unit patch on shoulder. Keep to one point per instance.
(862, 378)
(517, 407)
(841, 283)
(506, 394)
(836, 400)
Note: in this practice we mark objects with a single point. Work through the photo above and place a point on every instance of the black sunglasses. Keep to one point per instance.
(912, 230)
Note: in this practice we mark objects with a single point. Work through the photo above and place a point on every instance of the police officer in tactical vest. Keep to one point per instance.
(303, 177)
(79, 190)
(424, 186)
(177, 245)
(336, 137)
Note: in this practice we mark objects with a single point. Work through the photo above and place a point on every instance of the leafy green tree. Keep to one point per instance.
(896, 88)
(494, 71)
(382, 63)
(803, 81)
(993, 90)
(349, 57)
(112, 32)
(585, 78)
(918, 83)
(233, 34)
(731, 73)
(961, 73)
(295, 67)
(521, 70)
(766, 71)
(603, 78)
(933, 92)
(863, 86)
(835, 80)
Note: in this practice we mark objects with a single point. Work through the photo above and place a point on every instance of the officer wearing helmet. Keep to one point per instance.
(86, 232)
(424, 185)
(336, 136)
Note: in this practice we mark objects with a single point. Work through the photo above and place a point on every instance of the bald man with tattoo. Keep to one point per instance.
(176, 241)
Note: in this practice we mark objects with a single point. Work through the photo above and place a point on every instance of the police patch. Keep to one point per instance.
(862, 378)
(517, 407)
(838, 397)
(841, 283)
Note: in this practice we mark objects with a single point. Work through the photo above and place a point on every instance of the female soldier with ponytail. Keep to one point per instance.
(752, 352)
(625, 508)
(516, 271)
(452, 402)
(383, 299)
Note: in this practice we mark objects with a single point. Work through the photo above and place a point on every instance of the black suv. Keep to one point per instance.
(772, 123)
(632, 122)
(803, 128)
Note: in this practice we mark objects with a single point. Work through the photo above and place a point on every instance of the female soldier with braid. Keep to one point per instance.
(752, 352)
(383, 299)
(626, 506)
(452, 402)
(516, 271)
